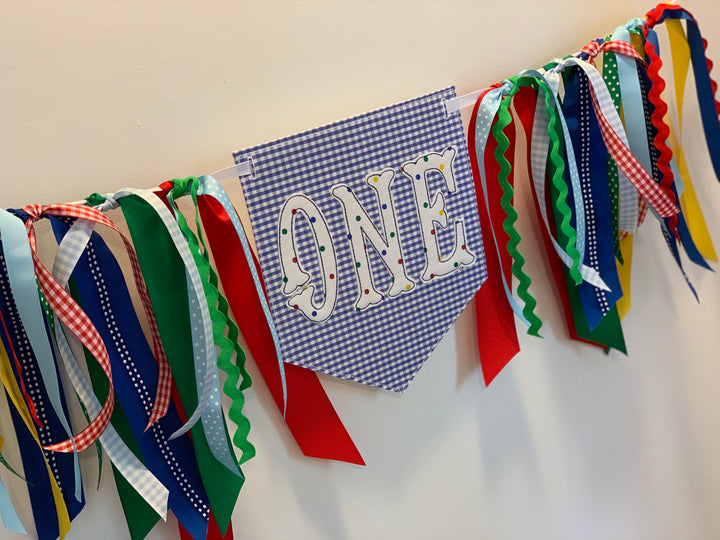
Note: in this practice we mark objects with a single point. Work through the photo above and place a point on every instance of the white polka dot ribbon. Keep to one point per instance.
(616, 141)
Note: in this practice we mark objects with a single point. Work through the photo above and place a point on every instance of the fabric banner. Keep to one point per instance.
(368, 238)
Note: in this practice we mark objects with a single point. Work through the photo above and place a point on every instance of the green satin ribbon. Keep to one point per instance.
(164, 274)
(7, 465)
(610, 76)
(218, 306)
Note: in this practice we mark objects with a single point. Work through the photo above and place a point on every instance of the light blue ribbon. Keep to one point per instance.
(207, 185)
(21, 274)
(636, 129)
(7, 512)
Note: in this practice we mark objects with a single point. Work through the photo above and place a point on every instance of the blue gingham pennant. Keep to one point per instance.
(368, 238)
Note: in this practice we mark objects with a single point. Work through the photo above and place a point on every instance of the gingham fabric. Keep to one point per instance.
(616, 141)
(386, 344)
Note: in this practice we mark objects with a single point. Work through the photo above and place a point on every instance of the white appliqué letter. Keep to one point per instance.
(363, 232)
(295, 279)
(434, 212)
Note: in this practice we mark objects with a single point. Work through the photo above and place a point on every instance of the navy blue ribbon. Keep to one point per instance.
(592, 167)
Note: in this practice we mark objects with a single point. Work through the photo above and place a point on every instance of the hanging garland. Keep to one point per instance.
(369, 246)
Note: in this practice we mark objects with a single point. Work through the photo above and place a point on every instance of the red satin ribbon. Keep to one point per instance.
(494, 318)
(213, 531)
(310, 415)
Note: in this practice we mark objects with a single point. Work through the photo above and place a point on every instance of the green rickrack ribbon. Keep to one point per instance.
(504, 118)
(219, 307)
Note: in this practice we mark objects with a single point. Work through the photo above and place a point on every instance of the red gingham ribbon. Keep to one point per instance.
(163, 393)
(77, 321)
(594, 48)
(660, 199)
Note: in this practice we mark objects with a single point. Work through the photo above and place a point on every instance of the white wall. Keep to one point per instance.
(567, 442)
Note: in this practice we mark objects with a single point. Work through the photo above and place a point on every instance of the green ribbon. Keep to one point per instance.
(218, 306)
(164, 274)
(610, 76)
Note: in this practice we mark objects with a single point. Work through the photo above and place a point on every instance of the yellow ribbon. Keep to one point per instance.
(11, 386)
(624, 271)
(688, 200)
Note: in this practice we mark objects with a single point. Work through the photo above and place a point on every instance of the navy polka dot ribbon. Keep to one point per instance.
(16, 343)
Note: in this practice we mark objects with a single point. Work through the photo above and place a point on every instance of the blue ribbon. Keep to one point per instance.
(7, 512)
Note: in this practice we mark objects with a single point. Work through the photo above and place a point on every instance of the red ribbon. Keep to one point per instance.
(494, 318)
(213, 532)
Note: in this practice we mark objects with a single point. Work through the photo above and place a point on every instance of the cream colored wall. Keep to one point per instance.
(567, 443)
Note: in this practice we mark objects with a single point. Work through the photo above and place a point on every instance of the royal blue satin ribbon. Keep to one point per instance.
(105, 299)
(703, 85)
